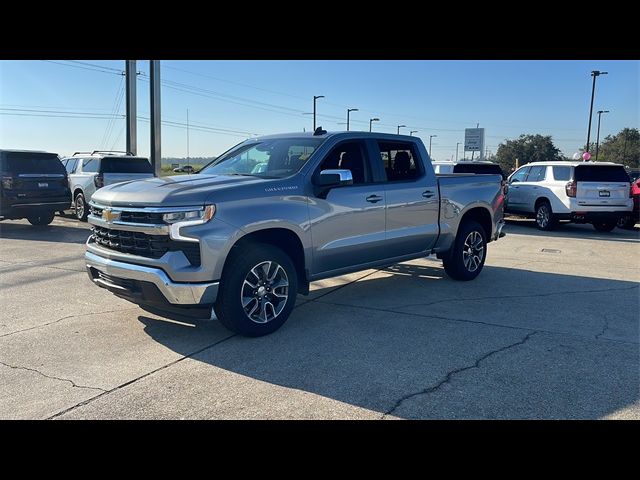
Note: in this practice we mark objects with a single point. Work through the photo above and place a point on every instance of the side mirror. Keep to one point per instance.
(335, 178)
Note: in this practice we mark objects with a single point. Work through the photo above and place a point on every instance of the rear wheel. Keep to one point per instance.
(44, 218)
(605, 226)
(81, 207)
(467, 256)
(545, 219)
(257, 290)
(627, 222)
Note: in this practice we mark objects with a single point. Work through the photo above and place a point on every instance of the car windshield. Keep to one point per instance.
(268, 158)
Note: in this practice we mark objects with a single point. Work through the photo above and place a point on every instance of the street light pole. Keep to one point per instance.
(349, 110)
(371, 120)
(412, 132)
(399, 127)
(594, 74)
(600, 112)
(457, 143)
(315, 97)
(430, 137)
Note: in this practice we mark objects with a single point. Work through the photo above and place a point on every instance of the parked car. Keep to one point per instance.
(34, 186)
(91, 171)
(184, 169)
(582, 192)
(629, 220)
(246, 243)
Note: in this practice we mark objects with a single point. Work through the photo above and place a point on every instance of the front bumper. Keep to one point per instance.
(147, 285)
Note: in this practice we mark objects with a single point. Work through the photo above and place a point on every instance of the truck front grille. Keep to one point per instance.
(144, 245)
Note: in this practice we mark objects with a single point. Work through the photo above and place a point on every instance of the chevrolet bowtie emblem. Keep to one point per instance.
(110, 216)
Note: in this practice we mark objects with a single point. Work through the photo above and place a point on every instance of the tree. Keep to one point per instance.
(527, 148)
(624, 147)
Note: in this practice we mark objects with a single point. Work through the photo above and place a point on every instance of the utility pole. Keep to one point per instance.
(154, 90)
(457, 143)
(594, 74)
(131, 106)
(187, 136)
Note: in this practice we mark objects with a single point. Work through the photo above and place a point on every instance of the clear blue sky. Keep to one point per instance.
(231, 100)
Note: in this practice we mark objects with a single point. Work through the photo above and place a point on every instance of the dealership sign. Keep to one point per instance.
(474, 140)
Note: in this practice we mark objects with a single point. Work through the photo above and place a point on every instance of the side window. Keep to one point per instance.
(349, 156)
(90, 165)
(520, 175)
(400, 161)
(562, 173)
(70, 165)
(537, 174)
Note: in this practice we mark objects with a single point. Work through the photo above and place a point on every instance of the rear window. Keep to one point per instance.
(26, 162)
(480, 168)
(126, 165)
(594, 173)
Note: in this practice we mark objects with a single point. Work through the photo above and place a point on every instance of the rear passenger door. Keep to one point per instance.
(534, 188)
(412, 198)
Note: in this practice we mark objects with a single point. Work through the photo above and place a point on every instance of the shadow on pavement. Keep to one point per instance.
(50, 233)
(571, 230)
(371, 345)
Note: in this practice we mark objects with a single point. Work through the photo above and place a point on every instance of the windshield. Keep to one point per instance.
(269, 158)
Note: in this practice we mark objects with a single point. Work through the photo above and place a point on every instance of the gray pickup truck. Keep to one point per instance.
(242, 237)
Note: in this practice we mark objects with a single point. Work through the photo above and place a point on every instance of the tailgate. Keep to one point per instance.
(31, 185)
(110, 178)
(601, 185)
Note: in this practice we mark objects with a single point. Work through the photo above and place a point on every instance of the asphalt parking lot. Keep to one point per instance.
(550, 329)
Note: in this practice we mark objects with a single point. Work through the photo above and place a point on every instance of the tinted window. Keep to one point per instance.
(90, 164)
(349, 156)
(594, 173)
(520, 175)
(478, 168)
(443, 169)
(399, 161)
(269, 158)
(562, 173)
(126, 165)
(27, 162)
(70, 164)
(536, 174)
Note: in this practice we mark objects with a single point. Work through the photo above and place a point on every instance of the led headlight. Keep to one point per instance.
(191, 216)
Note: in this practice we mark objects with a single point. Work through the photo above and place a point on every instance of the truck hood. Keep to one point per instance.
(174, 191)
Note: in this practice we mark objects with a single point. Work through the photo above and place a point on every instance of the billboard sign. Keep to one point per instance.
(474, 139)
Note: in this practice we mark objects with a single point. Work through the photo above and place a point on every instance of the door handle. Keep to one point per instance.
(373, 198)
(427, 194)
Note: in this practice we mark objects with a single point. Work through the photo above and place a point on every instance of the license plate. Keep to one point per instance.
(43, 184)
(604, 193)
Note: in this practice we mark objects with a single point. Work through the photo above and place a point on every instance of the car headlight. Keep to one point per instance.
(194, 217)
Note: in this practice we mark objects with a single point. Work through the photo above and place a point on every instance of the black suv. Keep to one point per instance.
(34, 185)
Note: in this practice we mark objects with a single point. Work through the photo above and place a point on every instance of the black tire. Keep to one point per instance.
(229, 305)
(81, 207)
(454, 262)
(627, 222)
(40, 219)
(605, 226)
(545, 218)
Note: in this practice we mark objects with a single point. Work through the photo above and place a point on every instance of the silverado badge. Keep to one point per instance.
(109, 216)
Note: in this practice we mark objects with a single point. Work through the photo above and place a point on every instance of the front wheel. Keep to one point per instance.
(467, 256)
(82, 212)
(605, 226)
(257, 290)
(41, 219)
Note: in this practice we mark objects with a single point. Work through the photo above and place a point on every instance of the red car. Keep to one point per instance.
(628, 221)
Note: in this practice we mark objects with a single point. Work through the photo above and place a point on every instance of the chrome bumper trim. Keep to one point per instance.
(149, 228)
(175, 293)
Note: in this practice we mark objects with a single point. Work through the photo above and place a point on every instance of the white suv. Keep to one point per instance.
(91, 171)
(583, 192)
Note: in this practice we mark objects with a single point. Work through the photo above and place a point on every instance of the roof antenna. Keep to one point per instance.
(319, 131)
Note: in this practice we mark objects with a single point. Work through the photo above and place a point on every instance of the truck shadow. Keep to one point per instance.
(409, 341)
(22, 230)
(570, 230)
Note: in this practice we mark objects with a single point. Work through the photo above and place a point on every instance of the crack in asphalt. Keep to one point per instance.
(480, 322)
(605, 327)
(534, 295)
(73, 384)
(65, 318)
(451, 373)
(125, 384)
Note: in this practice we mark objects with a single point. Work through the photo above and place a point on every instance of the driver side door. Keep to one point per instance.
(516, 199)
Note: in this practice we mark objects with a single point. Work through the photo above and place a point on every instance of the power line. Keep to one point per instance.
(119, 70)
(83, 67)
